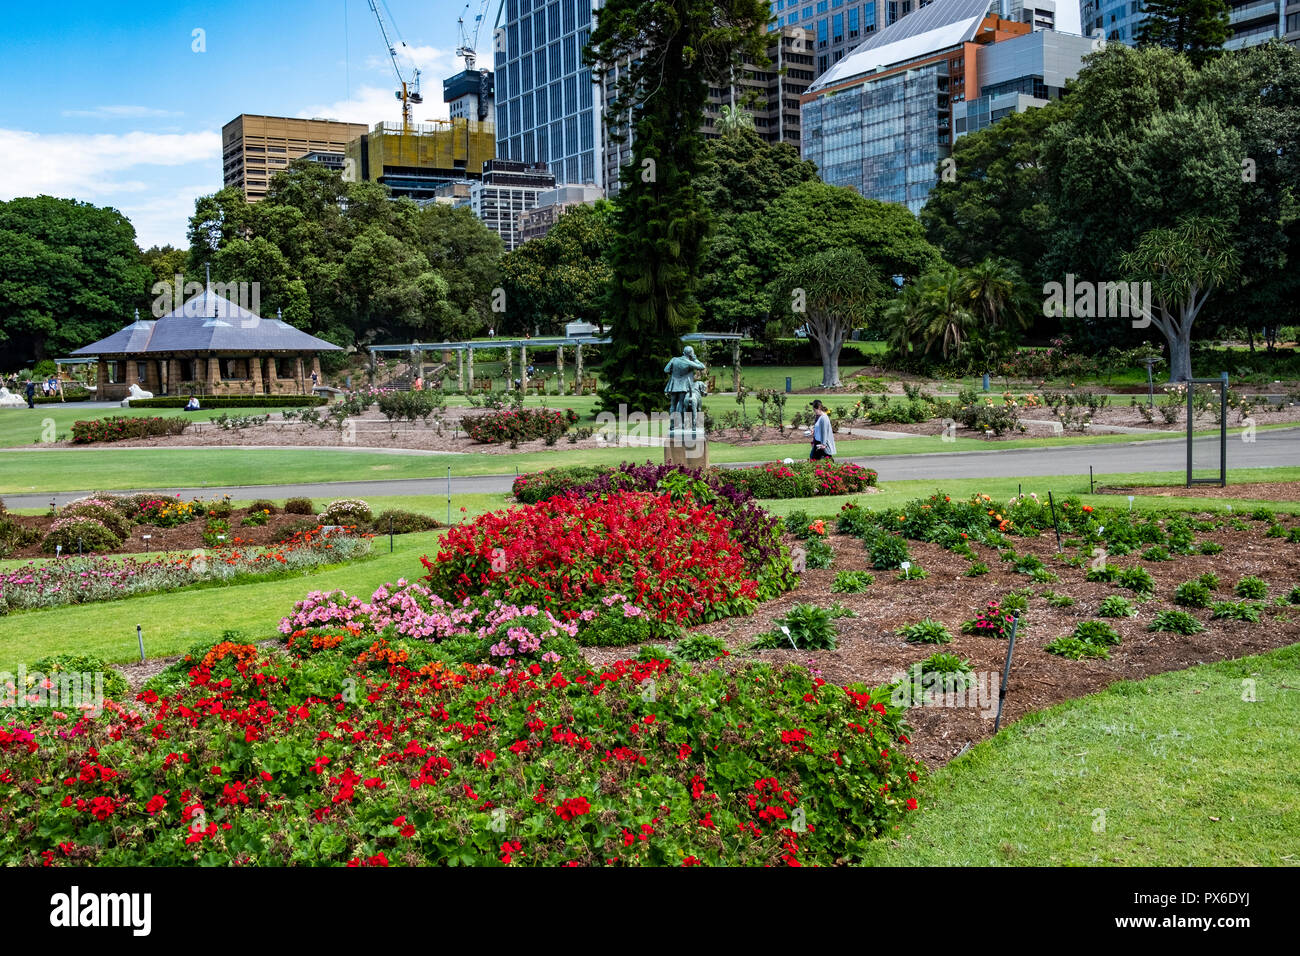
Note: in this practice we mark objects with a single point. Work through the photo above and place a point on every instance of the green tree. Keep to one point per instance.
(70, 273)
(1184, 264)
(740, 176)
(829, 293)
(560, 277)
(666, 52)
(933, 313)
(995, 205)
(1195, 27)
(735, 120)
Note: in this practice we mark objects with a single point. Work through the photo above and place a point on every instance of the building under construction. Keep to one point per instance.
(413, 161)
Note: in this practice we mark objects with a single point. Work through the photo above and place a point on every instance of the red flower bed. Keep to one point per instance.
(675, 558)
(519, 424)
(121, 427)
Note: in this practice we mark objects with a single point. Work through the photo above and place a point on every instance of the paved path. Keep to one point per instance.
(1270, 449)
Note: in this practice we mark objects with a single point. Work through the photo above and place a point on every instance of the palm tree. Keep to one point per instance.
(735, 120)
(997, 294)
(946, 318)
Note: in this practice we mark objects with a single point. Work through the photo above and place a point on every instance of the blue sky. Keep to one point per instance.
(108, 102)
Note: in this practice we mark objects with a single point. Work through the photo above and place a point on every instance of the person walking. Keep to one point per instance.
(823, 439)
(31, 393)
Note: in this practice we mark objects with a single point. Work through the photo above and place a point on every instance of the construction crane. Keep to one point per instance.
(469, 41)
(409, 94)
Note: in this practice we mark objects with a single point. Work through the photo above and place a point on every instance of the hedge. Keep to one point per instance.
(232, 401)
(120, 427)
(77, 394)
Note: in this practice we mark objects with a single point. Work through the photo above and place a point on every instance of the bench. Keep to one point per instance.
(482, 384)
(536, 383)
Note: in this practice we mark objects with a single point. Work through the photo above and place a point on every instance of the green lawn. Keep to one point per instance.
(1175, 770)
(27, 426)
(175, 621)
(108, 468)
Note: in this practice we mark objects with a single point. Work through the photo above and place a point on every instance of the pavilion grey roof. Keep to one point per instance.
(208, 323)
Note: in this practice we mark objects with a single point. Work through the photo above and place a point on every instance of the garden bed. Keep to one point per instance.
(1250, 490)
(870, 651)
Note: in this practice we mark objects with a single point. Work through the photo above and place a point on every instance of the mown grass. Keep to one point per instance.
(1175, 770)
(174, 622)
(108, 468)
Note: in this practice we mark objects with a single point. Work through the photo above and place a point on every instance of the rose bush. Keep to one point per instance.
(518, 424)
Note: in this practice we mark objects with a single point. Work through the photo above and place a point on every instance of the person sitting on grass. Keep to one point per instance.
(823, 441)
(193, 404)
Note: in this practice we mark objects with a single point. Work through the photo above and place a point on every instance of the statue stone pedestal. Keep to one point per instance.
(686, 450)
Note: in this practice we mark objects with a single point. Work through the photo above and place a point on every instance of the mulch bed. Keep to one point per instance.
(869, 650)
(1258, 490)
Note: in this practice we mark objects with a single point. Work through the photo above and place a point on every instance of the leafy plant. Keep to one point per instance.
(976, 569)
(1075, 649)
(818, 555)
(700, 647)
(1210, 580)
(1156, 553)
(1251, 587)
(1059, 600)
(1096, 632)
(1138, 580)
(888, 552)
(1179, 622)
(852, 582)
(1236, 611)
(807, 626)
(1192, 594)
(1116, 606)
(928, 631)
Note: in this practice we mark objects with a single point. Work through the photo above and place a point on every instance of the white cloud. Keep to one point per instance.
(86, 167)
(113, 170)
(120, 112)
(373, 104)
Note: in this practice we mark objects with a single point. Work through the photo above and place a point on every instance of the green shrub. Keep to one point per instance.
(1138, 580)
(262, 504)
(1192, 594)
(1251, 587)
(1044, 576)
(115, 685)
(124, 427)
(289, 530)
(348, 512)
(852, 582)
(611, 628)
(796, 523)
(1028, 564)
(1016, 601)
(14, 534)
(856, 521)
(913, 572)
(255, 519)
(1155, 553)
(1210, 580)
(1096, 632)
(1107, 573)
(299, 506)
(1236, 611)
(888, 552)
(103, 512)
(403, 522)
(1179, 622)
(1059, 600)
(928, 631)
(976, 569)
(700, 647)
(1293, 536)
(809, 627)
(1075, 649)
(1116, 606)
(818, 555)
(74, 534)
(1293, 596)
(941, 672)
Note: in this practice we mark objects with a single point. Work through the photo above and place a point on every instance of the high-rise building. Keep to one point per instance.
(548, 104)
(551, 205)
(507, 190)
(881, 120)
(1250, 22)
(470, 95)
(771, 93)
(254, 147)
(838, 26)
(413, 161)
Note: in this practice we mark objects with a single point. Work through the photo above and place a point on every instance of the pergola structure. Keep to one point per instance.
(209, 346)
(465, 353)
